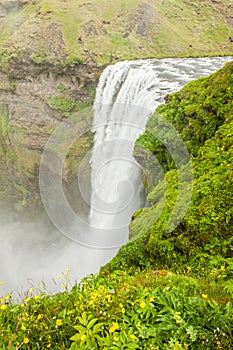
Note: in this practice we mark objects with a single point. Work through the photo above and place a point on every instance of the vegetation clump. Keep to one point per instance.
(156, 309)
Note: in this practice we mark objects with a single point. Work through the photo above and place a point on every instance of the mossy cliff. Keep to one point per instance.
(35, 99)
(202, 113)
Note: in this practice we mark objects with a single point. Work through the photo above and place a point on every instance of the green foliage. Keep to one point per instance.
(73, 60)
(39, 57)
(88, 329)
(196, 112)
(62, 103)
(205, 233)
(154, 309)
(4, 119)
(66, 104)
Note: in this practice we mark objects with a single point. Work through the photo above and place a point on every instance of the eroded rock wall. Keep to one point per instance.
(34, 100)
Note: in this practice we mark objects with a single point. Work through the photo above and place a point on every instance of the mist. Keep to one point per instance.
(34, 251)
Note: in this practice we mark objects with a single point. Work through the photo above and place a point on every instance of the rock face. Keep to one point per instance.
(11, 6)
(34, 100)
(28, 89)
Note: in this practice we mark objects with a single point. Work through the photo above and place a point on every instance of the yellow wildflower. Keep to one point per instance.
(114, 327)
(31, 290)
(108, 297)
(2, 300)
(222, 268)
(115, 338)
(58, 322)
(204, 296)
(22, 305)
(132, 336)
(23, 328)
(177, 317)
(39, 317)
(3, 307)
(7, 297)
(143, 305)
(26, 340)
(83, 337)
(1, 283)
(94, 295)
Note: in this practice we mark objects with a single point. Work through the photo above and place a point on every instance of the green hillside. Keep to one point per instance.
(202, 113)
(101, 31)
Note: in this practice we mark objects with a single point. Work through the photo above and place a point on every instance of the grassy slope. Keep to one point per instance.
(102, 31)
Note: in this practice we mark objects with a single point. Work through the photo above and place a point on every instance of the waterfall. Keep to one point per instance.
(126, 95)
(119, 116)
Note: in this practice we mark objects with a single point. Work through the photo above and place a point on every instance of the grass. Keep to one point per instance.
(4, 119)
(77, 31)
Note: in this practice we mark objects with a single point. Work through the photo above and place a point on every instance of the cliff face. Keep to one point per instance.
(34, 101)
(38, 96)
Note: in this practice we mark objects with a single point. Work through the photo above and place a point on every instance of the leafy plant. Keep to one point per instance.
(88, 332)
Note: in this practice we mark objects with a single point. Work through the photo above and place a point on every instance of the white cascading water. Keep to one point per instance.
(127, 93)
